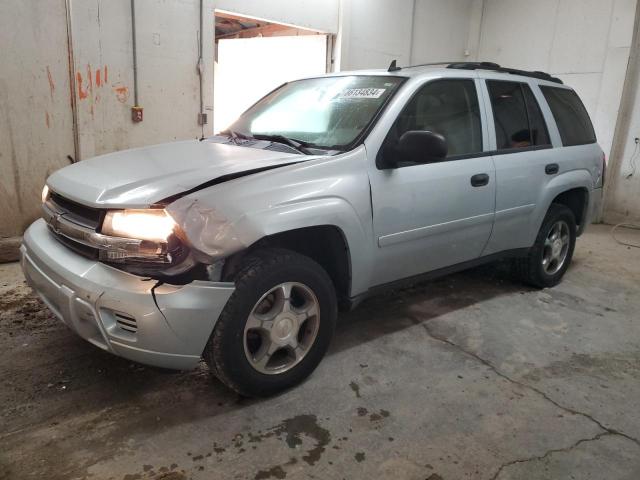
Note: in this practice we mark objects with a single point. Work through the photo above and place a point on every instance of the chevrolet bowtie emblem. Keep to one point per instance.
(55, 222)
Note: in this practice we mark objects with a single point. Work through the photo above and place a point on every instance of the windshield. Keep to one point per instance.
(327, 112)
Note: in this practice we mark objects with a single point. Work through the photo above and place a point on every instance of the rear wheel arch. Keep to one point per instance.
(576, 200)
(531, 268)
(327, 245)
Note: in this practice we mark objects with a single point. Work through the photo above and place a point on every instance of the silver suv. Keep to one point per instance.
(241, 247)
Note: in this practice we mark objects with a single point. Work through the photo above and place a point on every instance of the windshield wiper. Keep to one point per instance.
(235, 135)
(298, 145)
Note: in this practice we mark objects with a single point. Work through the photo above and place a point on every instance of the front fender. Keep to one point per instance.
(331, 211)
(212, 237)
(228, 218)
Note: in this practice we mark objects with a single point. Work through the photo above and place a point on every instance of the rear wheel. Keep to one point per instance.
(277, 325)
(552, 251)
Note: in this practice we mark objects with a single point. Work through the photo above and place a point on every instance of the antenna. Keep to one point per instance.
(393, 67)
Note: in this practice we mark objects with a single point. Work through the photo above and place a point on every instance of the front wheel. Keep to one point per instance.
(552, 251)
(277, 325)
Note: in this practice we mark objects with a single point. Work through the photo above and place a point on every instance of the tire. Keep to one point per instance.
(531, 268)
(262, 279)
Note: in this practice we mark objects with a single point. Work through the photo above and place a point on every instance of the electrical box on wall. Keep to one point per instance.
(136, 114)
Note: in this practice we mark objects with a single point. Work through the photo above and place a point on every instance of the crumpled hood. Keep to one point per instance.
(143, 176)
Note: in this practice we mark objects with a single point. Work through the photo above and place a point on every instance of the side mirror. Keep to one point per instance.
(422, 146)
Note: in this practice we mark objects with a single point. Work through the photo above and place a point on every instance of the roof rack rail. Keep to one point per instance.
(497, 68)
(394, 67)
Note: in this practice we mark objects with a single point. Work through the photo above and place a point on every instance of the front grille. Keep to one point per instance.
(79, 248)
(126, 323)
(77, 227)
(87, 218)
(75, 212)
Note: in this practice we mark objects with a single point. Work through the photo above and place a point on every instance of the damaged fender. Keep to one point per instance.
(210, 234)
(226, 218)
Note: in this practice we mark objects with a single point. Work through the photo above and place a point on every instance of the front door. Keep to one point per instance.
(433, 215)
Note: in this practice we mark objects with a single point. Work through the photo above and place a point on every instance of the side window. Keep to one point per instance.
(539, 132)
(517, 117)
(571, 117)
(447, 107)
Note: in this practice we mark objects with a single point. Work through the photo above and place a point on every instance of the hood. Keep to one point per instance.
(143, 176)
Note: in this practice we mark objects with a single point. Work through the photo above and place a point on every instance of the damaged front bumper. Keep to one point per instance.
(130, 316)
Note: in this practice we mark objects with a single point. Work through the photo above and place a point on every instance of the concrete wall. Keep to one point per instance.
(584, 42)
(445, 31)
(374, 32)
(168, 84)
(622, 192)
(36, 130)
(320, 15)
(36, 133)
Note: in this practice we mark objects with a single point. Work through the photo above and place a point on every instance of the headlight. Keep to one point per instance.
(45, 193)
(149, 224)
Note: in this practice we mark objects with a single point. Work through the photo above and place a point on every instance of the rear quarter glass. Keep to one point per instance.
(571, 116)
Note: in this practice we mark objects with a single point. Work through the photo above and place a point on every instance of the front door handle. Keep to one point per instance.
(551, 169)
(480, 180)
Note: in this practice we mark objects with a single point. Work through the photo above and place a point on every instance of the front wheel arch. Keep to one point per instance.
(259, 272)
(325, 244)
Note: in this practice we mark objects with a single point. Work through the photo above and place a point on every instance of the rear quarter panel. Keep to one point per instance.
(580, 167)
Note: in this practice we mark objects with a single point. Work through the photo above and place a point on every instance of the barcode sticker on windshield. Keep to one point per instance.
(363, 93)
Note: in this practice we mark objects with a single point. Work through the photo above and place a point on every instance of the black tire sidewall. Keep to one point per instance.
(555, 214)
(270, 268)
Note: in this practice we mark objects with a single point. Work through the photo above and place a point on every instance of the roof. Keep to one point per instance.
(447, 68)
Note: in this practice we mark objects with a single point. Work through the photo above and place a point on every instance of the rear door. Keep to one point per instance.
(523, 158)
(430, 216)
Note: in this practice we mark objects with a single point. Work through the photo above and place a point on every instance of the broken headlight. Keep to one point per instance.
(141, 237)
(150, 224)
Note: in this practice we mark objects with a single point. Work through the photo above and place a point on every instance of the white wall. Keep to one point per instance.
(320, 15)
(622, 199)
(584, 42)
(373, 33)
(442, 30)
(35, 115)
(168, 84)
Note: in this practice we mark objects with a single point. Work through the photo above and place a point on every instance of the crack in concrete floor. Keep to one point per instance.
(606, 431)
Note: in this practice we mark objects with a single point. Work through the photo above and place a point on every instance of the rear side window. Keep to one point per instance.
(571, 117)
(518, 120)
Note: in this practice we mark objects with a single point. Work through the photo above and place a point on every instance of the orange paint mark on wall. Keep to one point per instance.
(89, 78)
(52, 86)
(82, 93)
(122, 93)
(98, 82)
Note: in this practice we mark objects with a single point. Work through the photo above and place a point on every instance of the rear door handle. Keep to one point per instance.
(551, 169)
(479, 180)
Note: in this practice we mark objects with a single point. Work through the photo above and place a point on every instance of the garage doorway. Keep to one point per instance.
(252, 57)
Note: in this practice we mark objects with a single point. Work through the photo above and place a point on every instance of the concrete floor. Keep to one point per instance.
(472, 376)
